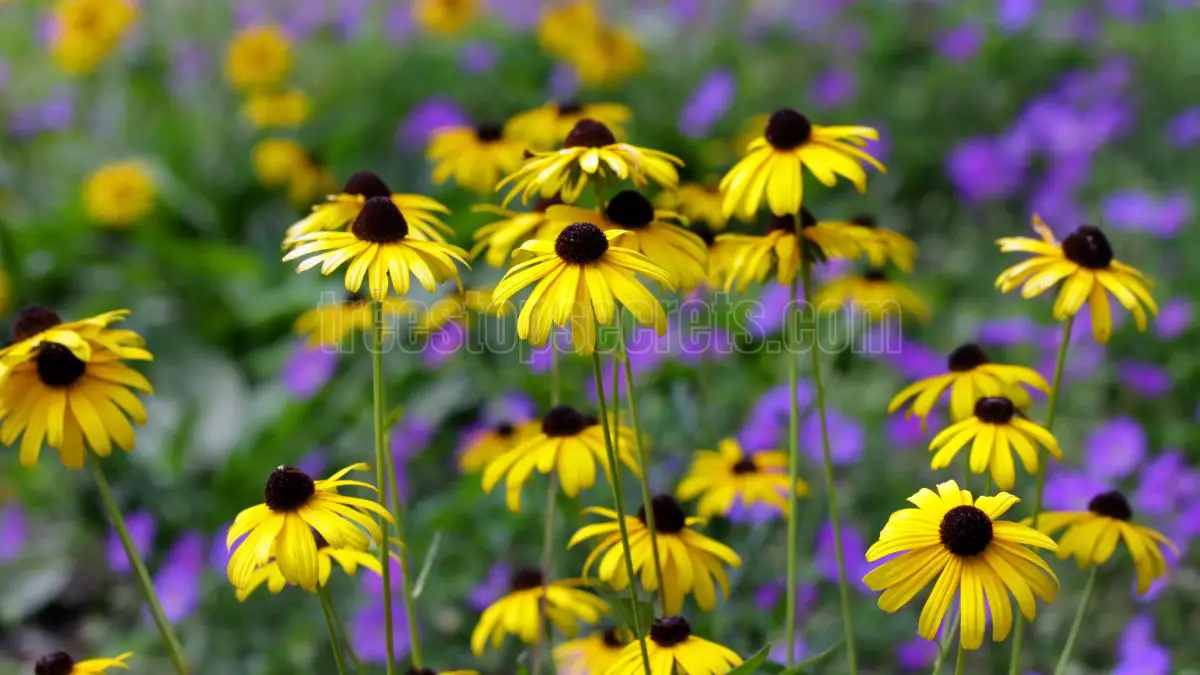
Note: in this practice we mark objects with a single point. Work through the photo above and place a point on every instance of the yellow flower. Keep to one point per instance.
(752, 257)
(1085, 265)
(606, 58)
(580, 277)
(328, 325)
(517, 613)
(690, 561)
(682, 254)
(348, 558)
(698, 202)
(86, 31)
(995, 431)
(119, 195)
(61, 663)
(475, 157)
(958, 540)
(886, 245)
(488, 444)
(380, 251)
(590, 152)
(547, 126)
(569, 444)
(499, 238)
(445, 16)
(277, 160)
(37, 326)
(730, 477)
(673, 650)
(456, 305)
(258, 57)
(1091, 537)
(308, 182)
(277, 109)
(562, 26)
(423, 214)
(592, 654)
(281, 528)
(972, 376)
(772, 169)
(872, 294)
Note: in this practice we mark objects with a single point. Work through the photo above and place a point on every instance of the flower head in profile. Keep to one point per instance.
(280, 530)
(258, 57)
(119, 195)
(1091, 536)
(1085, 268)
(380, 251)
(886, 245)
(958, 540)
(578, 280)
(590, 152)
(283, 109)
(730, 477)
(474, 156)
(872, 294)
(691, 562)
(456, 306)
(445, 17)
(494, 441)
(592, 654)
(422, 214)
(87, 31)
(672, 649)
(329, 325)
(517, 613)
(548, 125)
(972, 376)
(61, 663)
(994, 432)
(698, 202)
(513, 229)
(752, 258)
(349, 559)
(773, 169)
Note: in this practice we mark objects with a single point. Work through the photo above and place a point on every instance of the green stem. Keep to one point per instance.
(555, 373)
(382, 462)
(619, 501)
(792, 329)
(170, 641)
(962, 659)
(542, 647)
(343, 635)
(1078, 623)
(1014, 666)
(410, 608)
(333, 633)
(830, 484)
(944, 648)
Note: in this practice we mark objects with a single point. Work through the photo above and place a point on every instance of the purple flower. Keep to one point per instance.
(308, 370)
(521, 15)
(770, 594)
(178, 580)
(1174, 318)
(411, 436)
(905, 430)
(854, 548)
(443, 343)
(846, 437)
(492, 588)
(779, 652)
(1085, 357)
(1115, 449)
(313, 462)
(765, 316)
(916, 654)
(367, 628)
(1138, 653)
(1163, 483)
(540, 358)
(425, 118)
(1129, 11)
(962, 43)
(1008, 331)
(1184, 129)
(141, 527)
(399, 22)
(1138, 211)
(833, 88)
(512, 406)
(189, 63)
(708, 104)
(915, 361)
(564, 83)
(14, 530)
(1148, 379)
(981, 170)
(219, 554)
(1070, 490)
(753, 515)
(476, 58)
(1014, 15)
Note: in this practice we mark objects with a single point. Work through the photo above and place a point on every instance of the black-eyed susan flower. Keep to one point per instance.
(606, 57)
(36, 326)
(887, 245)
(872, 294)
(281, 528)
(61, 663)
(561, 26)
(284, 109)
(421, 213)
(456, 305)
(674, 650)
(591, 654)
(349, 559)
(1087, 270)
(566, 606)
(753, 257)
(698, 202)
(119, 195)
(691, 562)
(328, 325)
(548, 125)
(501, 237)
(475, 157)
(995, 431)
(495, 441)
(959, 541)
(87, 31)
(258, 57)
(729, 477)
(590, 152)
(379, 250)
(680, 252)
(579, 279)
(567, 444)
(445, 17)
(1091, 536)
(972, 376)
(773, 169)
(277, 160)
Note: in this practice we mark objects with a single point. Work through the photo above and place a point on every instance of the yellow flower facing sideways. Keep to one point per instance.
(329, 325)
(445, 17)
(752, 258)
(730, 477)
(994, 433)
(422, 214)
(284, 109)
(475, 157)
(698, 202)
(258, 57)
(119, 195)
(499, 239)
(85, 32)
(674, 650)
(348, 559)
(547, 126)
(517, 613)
(61, 663)
(490, 443)
(872, 294)
(592, 654)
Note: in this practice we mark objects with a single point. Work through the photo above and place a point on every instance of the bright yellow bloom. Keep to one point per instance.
(446, 17)
(328, 325)
(37, 326)
(592, 654)
(590, 152)
(729, 477)
(517, 613)
(690, 561)
(348, 558)
(569, 444)
(957, 539)
(607, 58)
(698, 202)
(547, 126)
(61, 663)
(1085, 265)
(258, 57)
(887, 245)
(673, 650)
(772, 170)
(86, 31)
(281, 528)
(119, 195)
(562, 26)
(499, 238)
(1091, 537)
(277, 109)
(308, 182)
(423, 214)
(871, 294)
(379, 250)
(580, 278)
(752, 257)
(972, 376)
(475, 157)
(277, 160)
(456, 305)
(486, 446)
(995, 431)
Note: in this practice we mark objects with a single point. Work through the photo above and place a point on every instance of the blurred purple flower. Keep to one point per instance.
(1184, 129)
(443, 343)
(512, 406)
(708, 103)
(476, 58)
(564, 83)
(367, 626)
(779, 651)
(313, 462)
(1174, 318)
(178, 580)
(218, 554)
(1114, 449)
(765, 316)
(521, 15)
(1015, 15)
(14, 530)
(915, 361)
(352, 18)
(425, 118)
(1086, 358)
(754, 515)
(846, 437)
(1082, 26)
(250, 13)
(399, 22)
(492, 588)
(1147, 379)
(687, 12)
(981, 169)
(770, 594)
(411, 436)
(305, 18)
(1138, 653)
(916, 654)
(905, 430)
(771, 412)
(141, 530)
(833, 88)
(854, 546)
(1128, 11)
(1009, 331)
(1070, 490)
(308, 370)
(1164, 484)
(1136, 210)
(189, 63)
(961, 43)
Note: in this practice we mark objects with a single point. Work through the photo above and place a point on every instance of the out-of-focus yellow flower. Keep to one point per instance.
(560, 29)
(310, 182)
(276, 160)
(446, 17)
(259, 56)
(277, 109)
(608, 59)
(119, 195)
(86, 31)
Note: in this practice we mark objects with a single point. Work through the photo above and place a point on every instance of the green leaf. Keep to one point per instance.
(753, 663)
(644, 613)
(800, 667)
(393, 417)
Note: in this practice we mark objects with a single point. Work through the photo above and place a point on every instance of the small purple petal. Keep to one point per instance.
(308, 370)
(14, 530)
(962, 43)
(779, 652)
(981, 169)
(846, 437)
(916, 654)
(708, 104)
(443, 343)
(141, 527)
(477, 58)
(833, 88)
(1114, 449)
(492, 588)
(854, 547)
(1148, 379)
(1015, 15)
(1070, 490)
(1184, 129)
(178, 580)
(1008, 331)
(425, 118)
(905, 430)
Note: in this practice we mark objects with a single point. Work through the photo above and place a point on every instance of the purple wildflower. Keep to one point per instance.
(833, 88)
(564, 83)
(141, 527)
(218, 556)
(1164, 485)
(779, 652)
(1174, 318)
(443, 343)
(399, 22)
(477, 58)
(493, 587)
(1015, 15)
(915, 361)
(1070, 490)
(1138, 653)
(981, 170)
(1148, 379)
(313, 462)
(708, 103)
(14, 530)
(905, 430)
(308, 370)
(854, 546)
(753, 515)
(961, 43)
(367, 627)
(1136, 210)
(1115, 449)
(1184, 129)
(1009, 331)
(916, 654)
(178, 580)
(425, 118)
(846, 437)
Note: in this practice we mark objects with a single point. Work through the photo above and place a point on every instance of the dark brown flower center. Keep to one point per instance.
(1087, 246)
(544, 203)
(57, 366)
(967, 357)
(380, 222)
(787, 223)
(288, 489)
(669, 517)
(525, 579)
(612, 637)
(421, 671)
(966, 531)
(488, 133)
(864, 219)
(788, 129)
(353, 298)
(563, 420)
(504, 429)
(366, 184)
(58, 663)
(1111, 504)
(630, 209)
(569, 107)
(994, 410)
(581, 243)
(33, 320)
(875, 274)
(670, 630)
(588, 133)
(744, 465)
(702, 230)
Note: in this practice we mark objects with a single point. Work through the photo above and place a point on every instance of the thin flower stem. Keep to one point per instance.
(333, 633)
(542, 647)
(381, 476)
(170, 641)
(791, 328)
(555, 373)
(1014, 666)
(830, 483)
(1065, 658)
(962, 659)
(619, 501)
(410, 596)
(944, 648)
(342, 634)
